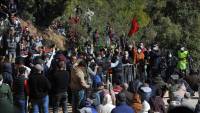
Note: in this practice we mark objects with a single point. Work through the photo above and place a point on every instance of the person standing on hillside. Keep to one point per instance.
(95, 37)
(156, 102)
(183, 56)
(78, 84)
(154, 60)
(116, 65)
(39, 87)
(11, 45)
(59, 81)
(20, 92)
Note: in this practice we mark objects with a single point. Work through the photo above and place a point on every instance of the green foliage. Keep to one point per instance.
(193, 40)
(169, 34)
(169, 22)
(176, 23)
(118, 12)
(42, 12)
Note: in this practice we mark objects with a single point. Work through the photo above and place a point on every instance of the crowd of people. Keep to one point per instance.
(122, 78)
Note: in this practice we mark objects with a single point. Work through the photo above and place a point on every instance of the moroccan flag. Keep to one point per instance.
(134, 27)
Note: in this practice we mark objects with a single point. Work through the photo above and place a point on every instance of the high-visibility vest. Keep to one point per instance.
(182, 63)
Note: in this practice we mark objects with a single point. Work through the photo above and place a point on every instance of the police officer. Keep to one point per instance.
(5, 92)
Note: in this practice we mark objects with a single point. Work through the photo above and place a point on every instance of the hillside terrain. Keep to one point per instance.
(170, 23)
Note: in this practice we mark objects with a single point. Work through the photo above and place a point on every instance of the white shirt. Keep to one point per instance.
(146, 107)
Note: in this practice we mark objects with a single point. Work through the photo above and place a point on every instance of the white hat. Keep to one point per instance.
(146, 89)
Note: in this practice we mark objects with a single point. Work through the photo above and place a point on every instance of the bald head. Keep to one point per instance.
(125, 86)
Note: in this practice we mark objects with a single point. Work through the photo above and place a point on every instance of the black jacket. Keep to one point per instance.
(59, 81)
(39, 86)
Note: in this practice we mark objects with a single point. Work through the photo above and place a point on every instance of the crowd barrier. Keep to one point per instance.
(128, 72)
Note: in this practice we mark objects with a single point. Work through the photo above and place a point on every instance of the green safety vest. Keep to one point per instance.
(183, 62)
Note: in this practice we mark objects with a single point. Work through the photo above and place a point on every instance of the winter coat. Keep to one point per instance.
(39, 86)
(146, 92)
(78, 81)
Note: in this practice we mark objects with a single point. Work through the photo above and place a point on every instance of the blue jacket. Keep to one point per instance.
(123, 108)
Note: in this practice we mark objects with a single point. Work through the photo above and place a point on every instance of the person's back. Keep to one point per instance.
(20, 90)
(129, 95)
(39, 85)
(146, 91)
(122, 107)
(19, 86)
(157, 104)
(60, 81)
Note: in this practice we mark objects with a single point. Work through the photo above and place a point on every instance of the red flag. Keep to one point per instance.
(134, 27)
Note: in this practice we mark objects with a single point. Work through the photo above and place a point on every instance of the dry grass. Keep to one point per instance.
(48, 34)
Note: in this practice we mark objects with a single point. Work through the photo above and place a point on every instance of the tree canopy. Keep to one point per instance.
(169, 22)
